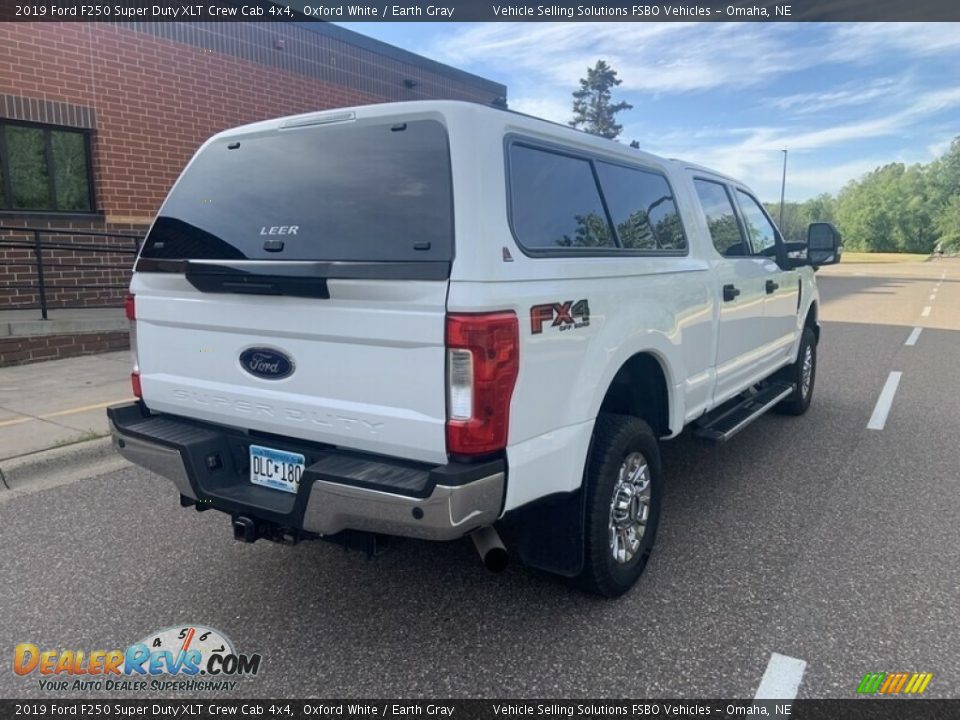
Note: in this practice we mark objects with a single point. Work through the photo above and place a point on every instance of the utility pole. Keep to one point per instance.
(783, 188)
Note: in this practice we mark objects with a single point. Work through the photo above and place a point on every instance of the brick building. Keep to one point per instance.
(98, 119)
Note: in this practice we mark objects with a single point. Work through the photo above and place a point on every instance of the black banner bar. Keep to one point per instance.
(478, 10)
(899, 709)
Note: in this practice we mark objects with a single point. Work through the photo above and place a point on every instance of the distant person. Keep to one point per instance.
(938, 250)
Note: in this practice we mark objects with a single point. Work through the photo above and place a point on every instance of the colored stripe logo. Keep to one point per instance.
(894, 683)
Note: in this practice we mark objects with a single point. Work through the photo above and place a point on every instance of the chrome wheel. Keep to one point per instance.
(629, 507)
(806, 372)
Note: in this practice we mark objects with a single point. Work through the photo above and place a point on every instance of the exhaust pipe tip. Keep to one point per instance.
(496, 560)
(493, 553)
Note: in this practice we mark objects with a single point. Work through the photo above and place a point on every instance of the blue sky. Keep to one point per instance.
(842, 97)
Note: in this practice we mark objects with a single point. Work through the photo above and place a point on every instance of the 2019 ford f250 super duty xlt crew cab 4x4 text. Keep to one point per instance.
(438, 319)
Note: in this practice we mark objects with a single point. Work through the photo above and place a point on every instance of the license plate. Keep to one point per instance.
(276, 469)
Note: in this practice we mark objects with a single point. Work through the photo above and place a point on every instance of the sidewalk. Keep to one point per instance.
(60, 402)
(25, 338)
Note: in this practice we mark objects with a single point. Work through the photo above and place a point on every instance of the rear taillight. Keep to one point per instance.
(130, 307)
(483, 359)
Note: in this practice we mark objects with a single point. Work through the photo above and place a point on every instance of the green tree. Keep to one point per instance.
(798, 216)
(725, 233)
(28, 167)
(944, 175)
(944, 181)
(916, 224)
(593, 108)
(822, 208)
(948, 225)
(863, 214)
(894, 208)
(635, 232)
(891, 209)
(592, 231)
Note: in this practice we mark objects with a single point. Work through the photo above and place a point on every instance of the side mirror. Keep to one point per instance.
(823, 244)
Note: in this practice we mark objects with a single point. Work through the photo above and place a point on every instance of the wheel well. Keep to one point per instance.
(811, 321)
(640, 389)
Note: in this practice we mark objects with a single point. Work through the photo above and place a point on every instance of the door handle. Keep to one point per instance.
(771, 286)
(730, 292)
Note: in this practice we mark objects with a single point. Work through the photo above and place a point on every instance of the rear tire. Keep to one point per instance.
(803, 375)
(623, 495)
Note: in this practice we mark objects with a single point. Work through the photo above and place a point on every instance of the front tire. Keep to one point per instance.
(623, 495)
(803, 374)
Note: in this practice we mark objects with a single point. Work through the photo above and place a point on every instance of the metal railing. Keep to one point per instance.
(39, 246)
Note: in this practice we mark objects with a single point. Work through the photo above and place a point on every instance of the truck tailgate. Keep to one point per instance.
(368, 362)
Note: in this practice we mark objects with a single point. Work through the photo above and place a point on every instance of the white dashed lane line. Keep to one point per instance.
(782, 679)
(884, 402)
(926, 312)
(914, 336)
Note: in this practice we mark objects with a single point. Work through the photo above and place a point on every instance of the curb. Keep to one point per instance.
(25, 470)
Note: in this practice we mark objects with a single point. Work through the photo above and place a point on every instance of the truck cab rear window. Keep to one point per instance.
(376, 192)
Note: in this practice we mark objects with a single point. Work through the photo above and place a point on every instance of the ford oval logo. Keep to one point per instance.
(266, 363)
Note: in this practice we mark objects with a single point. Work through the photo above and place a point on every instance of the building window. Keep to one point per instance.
(45, 169)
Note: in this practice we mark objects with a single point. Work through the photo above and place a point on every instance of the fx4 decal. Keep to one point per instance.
(566, 316)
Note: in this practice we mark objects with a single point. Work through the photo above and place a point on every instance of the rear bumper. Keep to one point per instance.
(339, 490)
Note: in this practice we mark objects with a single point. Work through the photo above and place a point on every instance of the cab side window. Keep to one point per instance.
(555, 201)
(763, 236)
(642, 207)
(721, 219)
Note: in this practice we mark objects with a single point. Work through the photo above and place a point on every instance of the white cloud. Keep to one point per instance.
(808, 181)
(652, 138)
(682, 57)
(757, 157)
(547, 108)
(848, 95)
(657, 57)
(940, 147)
(739, 63)
(858, 42)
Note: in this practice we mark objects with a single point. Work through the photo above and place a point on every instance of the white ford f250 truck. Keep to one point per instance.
(438, 319)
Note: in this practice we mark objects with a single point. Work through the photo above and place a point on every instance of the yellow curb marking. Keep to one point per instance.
(61, 413)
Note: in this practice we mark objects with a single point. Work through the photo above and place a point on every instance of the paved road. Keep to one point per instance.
(810, 537)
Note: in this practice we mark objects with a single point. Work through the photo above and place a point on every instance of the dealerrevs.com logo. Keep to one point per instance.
(198, 658)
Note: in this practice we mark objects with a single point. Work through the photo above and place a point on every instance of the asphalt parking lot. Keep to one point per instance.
(816, 538)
